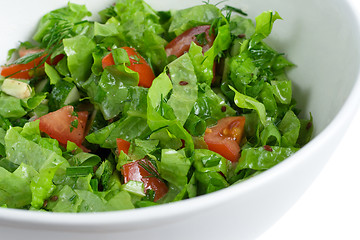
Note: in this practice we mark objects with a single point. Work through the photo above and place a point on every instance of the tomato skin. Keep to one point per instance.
(224, 138)
(21, 71)
(58, 125)
(26, 71)
(137, 64)
(108, 60)
(25, 51)
(135, 172)
(181, 44)
(123, 145)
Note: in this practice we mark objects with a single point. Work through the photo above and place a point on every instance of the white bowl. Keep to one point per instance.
(322, 37)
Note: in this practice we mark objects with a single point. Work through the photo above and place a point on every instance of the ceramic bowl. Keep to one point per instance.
(321, 36)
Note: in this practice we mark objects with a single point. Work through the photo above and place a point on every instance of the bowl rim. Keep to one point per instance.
(177, 209)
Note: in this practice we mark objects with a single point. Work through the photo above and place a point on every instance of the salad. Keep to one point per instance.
(142, 108)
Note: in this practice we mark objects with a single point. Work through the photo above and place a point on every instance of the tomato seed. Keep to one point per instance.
(54, 198)
(268, 148)
(183, 83)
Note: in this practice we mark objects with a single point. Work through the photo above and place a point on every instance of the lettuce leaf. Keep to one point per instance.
(79, 50)
(140, 28)
(72, 13)
(247, 102)
(185, 19)
(160, 114)
(15, 190)
(183, 95)
(263, 159)
(204, 63)
(174, 167)
(133, 125)
(10, 107)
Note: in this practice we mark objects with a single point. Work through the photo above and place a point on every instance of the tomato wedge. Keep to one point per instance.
(123, 145)
(137, 64)
(65, 125)
(135, 171)
(224, 138)
(181, 44)
(27, 70)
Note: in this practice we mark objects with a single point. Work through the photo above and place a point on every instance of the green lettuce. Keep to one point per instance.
(161, 115)
(184, 87)
(174, 167)
(79, 50)
(140, 28)
(262, 158)
(132, 125)
(185, 19)
(15, 190)
(72, 13)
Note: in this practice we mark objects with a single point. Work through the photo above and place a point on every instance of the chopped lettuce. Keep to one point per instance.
(166, 124)
(185, 19)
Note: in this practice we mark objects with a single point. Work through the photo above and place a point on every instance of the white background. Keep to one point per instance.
(330, 208)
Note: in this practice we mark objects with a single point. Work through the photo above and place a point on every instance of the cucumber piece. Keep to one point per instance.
(96, 121)
(42, 86)
(64, 93)
(15, 88)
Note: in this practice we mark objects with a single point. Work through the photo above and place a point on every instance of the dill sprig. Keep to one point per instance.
(28, 58)
(148, 166)
(51, 42)
(53, 39)
(216, 4)
(231, 9)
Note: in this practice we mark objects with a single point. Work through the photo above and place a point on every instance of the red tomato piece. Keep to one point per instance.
(25, 51)
(135, 172)
(27, 70)
(108, 60)
(65, 125)
(137, 64)
(123, 145)
(224, 138)
(22, 71)
(181, 44)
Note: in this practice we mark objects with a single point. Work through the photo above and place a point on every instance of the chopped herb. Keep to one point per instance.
(201, 39)
(94, 183)
(79, 171)
(74, 113)
(27, 58)
(150, 195)
(72, 198)
(74, 124)
(233, 9)
(145, 164)
(135, 58)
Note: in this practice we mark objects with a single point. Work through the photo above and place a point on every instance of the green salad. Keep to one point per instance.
(142, 108)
